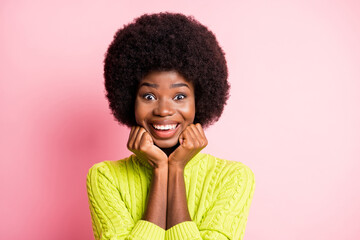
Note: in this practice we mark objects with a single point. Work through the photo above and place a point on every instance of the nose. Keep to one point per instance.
(164, 108)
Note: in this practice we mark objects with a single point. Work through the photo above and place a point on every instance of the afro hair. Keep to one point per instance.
(166, 42)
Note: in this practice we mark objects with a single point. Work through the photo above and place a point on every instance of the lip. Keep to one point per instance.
(163, 134)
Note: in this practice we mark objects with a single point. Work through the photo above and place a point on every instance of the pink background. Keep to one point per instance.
(293, 116)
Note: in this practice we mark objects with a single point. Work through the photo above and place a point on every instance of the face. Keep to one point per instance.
(165, 106)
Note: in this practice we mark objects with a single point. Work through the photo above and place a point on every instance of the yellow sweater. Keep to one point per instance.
(219, 194)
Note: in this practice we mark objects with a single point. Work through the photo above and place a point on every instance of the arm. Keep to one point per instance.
(110, 216)
(226, 217)
(141, 143)
(192, 140)
(176, 198)
(156, 206)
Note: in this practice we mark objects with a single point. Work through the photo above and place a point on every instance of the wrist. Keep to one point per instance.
(176, 169)
(159, 164)
(161, 169)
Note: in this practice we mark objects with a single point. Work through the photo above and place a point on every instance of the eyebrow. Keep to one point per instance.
(174, 85)
(149, 85)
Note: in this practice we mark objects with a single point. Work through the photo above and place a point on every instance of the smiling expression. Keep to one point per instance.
(165, 106)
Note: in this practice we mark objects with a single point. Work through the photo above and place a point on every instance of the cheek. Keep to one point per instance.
(189, 112)
(139, 113)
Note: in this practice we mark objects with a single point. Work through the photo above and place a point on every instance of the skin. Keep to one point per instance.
(161, 97)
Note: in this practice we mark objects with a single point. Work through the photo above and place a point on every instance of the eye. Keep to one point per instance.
(149, 96)
(180, 96)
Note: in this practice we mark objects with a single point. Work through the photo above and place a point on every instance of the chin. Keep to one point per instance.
(166, 143)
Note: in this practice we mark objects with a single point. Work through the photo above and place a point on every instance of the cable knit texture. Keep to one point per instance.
(219, 194)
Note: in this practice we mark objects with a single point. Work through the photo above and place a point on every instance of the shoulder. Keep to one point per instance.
(106, 166)
(103, 168)
(107, 170)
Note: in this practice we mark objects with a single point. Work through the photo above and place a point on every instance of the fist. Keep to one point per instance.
(142, 145)
(192, 140)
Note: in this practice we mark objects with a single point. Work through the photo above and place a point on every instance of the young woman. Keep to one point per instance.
(166, 78)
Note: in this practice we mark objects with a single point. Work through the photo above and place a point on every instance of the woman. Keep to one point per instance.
(166, 78)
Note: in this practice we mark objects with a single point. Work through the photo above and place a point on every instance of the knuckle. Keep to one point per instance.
(130, 145)
(189, 145)
(143, 148)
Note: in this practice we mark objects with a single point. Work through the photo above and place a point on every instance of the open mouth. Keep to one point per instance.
(165, 130)
(164, 127)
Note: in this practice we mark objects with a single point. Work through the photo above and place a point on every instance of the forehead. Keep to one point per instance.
(165, 79)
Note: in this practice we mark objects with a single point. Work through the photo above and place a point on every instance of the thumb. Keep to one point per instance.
(181, 140)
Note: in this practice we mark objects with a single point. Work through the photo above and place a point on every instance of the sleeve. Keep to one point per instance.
(110, 217)
(227, 216)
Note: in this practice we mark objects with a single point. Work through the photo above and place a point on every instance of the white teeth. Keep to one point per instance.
(165, 127)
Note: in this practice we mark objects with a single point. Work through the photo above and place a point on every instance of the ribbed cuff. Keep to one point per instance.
(148, 230)
(183, 231)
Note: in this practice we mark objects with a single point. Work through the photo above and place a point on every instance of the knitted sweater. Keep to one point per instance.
(219, 194)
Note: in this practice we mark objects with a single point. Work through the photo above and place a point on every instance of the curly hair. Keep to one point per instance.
(166, 42)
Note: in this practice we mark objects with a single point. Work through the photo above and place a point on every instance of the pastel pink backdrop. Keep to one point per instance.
(293, 116)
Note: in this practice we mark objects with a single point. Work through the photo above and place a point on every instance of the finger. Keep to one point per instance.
(132, 130)
(145, 141)
(138, 137)
(196, 131)
(188, 140)
(197, 138)
(182, 136)
(132, 137)
(204, 141)
(201, 130)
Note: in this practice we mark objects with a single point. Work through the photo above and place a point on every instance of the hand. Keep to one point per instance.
(141, 143)
(192, 140)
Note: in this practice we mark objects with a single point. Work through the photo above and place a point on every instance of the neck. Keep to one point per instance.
(169, 150)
